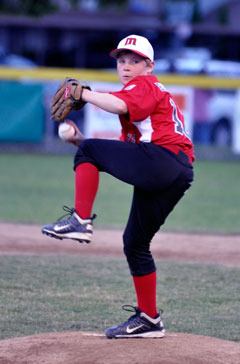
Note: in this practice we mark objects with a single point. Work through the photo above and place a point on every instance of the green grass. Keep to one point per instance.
(213, 202)
(58, 293)
(35, 187)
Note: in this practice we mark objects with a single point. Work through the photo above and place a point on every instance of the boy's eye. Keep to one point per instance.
(130, 61)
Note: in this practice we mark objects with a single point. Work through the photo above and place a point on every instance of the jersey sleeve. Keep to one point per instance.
(139, 98)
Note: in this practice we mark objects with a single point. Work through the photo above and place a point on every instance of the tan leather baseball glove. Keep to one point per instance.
(67, 98)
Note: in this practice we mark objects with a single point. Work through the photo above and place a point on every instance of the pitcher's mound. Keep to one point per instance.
(93, 348)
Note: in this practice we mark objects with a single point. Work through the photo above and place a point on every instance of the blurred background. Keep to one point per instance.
(197, 56)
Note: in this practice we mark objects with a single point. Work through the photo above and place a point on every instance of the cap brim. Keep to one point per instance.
(115, 52)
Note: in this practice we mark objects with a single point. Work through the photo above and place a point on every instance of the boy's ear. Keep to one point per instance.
(150, 65)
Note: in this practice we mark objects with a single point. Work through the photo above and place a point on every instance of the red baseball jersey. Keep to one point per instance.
(153, 116)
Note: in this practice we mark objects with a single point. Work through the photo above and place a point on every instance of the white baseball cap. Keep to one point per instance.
(136, 44)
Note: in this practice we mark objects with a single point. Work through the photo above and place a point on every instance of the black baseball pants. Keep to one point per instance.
(160, 179)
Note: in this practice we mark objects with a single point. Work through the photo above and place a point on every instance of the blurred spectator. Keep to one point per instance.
(90, 5)
(177, 12)
(183, 31)
(144, 7)
(202, 130)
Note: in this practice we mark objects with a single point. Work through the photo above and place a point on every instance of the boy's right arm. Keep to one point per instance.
(105, 101)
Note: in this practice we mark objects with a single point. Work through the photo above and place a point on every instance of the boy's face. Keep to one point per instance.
(130, 65)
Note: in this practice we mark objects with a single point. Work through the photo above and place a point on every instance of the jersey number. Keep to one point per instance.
(179, 127)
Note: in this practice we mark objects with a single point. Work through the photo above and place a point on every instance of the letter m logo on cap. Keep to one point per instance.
(131, 41)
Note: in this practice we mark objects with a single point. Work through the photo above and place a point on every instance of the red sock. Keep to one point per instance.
(146, 287)
(86, 186)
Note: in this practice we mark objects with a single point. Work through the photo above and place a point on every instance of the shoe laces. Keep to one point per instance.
(131, 308)
(69, 212)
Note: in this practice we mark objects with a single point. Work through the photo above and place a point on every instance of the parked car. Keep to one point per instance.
(220, 114)
(14, 60)
(213, 116)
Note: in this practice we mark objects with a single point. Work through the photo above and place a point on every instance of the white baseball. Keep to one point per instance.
(66, 131)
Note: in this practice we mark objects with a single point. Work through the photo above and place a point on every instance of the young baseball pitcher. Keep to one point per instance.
(154, 155)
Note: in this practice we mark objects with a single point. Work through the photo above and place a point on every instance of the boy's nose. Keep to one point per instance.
(126, 66)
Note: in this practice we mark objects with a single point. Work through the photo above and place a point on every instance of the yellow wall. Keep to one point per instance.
(49, 74)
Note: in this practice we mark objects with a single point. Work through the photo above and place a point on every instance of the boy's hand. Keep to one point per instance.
(78, 137)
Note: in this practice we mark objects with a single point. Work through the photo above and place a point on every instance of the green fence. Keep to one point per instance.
(22, 112)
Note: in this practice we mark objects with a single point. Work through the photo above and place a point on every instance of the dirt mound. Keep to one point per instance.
(87, 348)
(219, 249)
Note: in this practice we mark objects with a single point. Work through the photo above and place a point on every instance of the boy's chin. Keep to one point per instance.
(126, 80)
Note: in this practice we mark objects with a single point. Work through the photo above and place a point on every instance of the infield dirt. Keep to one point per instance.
(94, 348)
